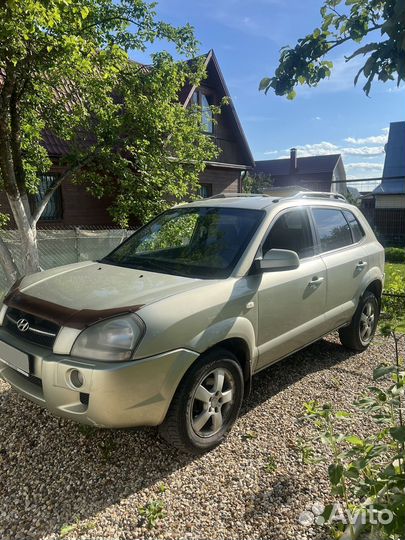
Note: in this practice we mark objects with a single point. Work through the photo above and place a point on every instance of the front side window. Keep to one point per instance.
(198, 242)
(291, 231)
(333, 229)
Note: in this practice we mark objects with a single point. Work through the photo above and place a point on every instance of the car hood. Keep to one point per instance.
(96, 290)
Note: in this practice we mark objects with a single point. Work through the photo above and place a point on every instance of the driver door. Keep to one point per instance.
(291, 302)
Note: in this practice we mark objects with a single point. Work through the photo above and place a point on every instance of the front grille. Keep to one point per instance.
(40, 331)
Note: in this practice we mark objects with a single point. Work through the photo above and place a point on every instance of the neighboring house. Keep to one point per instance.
(73, 205)
(385, 206)
(316, 173)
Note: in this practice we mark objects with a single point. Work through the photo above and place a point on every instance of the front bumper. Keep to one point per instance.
(114, 394)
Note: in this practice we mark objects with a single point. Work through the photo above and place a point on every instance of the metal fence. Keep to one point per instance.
(64, 246)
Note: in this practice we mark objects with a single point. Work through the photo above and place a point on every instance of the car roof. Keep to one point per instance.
(262, 202)
(255, 203)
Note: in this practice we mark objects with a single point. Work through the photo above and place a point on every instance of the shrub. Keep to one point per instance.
(368, 475)
(395, 255)
(393, 299)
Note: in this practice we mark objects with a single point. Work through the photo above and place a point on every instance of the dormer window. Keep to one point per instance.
(204, 100)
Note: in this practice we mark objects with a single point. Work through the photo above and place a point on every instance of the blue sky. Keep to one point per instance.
(336, 117)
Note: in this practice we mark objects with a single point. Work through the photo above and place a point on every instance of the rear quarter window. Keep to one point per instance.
(333, 229)
(355, 227)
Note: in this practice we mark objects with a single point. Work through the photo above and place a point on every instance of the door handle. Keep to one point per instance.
(315, 281)
(361, 264)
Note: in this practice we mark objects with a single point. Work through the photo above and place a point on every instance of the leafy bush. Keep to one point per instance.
(393, 300)
(395, 255)
(368, 474)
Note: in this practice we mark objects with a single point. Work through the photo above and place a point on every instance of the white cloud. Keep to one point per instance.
(373, 139)
(363, 151)
(318, 118)
(365, 165)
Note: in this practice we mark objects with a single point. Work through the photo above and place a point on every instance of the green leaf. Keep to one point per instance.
(381, 371)
(264, 83)
(354, 440)
(398, 433)
(292, 95)
(342, 415)
(335, 473)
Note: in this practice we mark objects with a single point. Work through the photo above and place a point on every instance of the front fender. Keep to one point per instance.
(237, 327)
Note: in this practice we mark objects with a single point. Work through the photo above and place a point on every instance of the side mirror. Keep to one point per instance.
(278, 259)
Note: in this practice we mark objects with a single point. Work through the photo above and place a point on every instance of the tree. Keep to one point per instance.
(257, 183)
(64, 68)
(378, 23)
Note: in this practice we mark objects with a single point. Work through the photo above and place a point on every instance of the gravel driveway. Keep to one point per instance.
(57, 480)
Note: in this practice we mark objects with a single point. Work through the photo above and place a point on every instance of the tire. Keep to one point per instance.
(206, 404)
(359, 334)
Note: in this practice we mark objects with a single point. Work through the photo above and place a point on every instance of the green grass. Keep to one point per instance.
(390, 268)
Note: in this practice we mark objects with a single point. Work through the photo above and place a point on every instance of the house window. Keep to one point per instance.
(204, 101)
(53, 210)
(205, 190)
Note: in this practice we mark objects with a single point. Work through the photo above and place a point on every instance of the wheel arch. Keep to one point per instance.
(240, 348)
(376, 288)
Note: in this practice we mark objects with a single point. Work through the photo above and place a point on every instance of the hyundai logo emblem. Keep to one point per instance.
(23, 325)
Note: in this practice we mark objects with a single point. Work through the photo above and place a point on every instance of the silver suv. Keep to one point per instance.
(168, 329)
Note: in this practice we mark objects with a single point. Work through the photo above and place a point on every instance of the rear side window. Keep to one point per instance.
(333, 229)
(291, 231)
(356, 228)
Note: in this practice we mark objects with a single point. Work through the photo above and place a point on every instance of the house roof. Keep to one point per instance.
(188, 90)
(305, 165)
(393, 180)
(394, 165)
(393, 186)
(57, 147)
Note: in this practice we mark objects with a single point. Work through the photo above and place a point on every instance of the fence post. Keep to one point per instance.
(77, 251)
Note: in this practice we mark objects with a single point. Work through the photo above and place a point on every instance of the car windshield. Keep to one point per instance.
(199, 242)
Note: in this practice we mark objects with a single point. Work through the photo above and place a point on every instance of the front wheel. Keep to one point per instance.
(206, 404)
(359, 334)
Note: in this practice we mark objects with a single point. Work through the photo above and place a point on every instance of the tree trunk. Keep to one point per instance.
(28, 235)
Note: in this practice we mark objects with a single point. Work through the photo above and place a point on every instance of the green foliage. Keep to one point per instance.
(77, 528)
(395, 255)
(393, 300)
(66, 69)
(257, 183)
(152, 512)
(249, 435)
(369, 472)
(271, 465)
(349, 21)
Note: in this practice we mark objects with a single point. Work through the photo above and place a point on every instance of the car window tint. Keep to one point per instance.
(333, 229)
(356, 228)
(291, 231)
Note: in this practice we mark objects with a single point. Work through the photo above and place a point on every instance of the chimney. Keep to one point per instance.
(293, 161)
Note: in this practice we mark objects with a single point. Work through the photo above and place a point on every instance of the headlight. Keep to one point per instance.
(110, 340)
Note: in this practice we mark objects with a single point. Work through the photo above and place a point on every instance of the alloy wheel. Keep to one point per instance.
(367, 322)
(212, 402)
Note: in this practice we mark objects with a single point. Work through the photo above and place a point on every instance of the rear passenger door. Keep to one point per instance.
(291, 302)
(340, 240)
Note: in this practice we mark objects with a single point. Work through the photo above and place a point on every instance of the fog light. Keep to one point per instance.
(76, 378)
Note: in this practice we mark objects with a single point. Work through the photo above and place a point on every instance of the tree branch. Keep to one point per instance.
(37, 213)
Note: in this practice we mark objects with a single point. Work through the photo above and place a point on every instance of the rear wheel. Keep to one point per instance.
(206, 404)
(359, 334)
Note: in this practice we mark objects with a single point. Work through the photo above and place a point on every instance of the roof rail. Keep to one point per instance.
(231, 195)
(318, 195)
